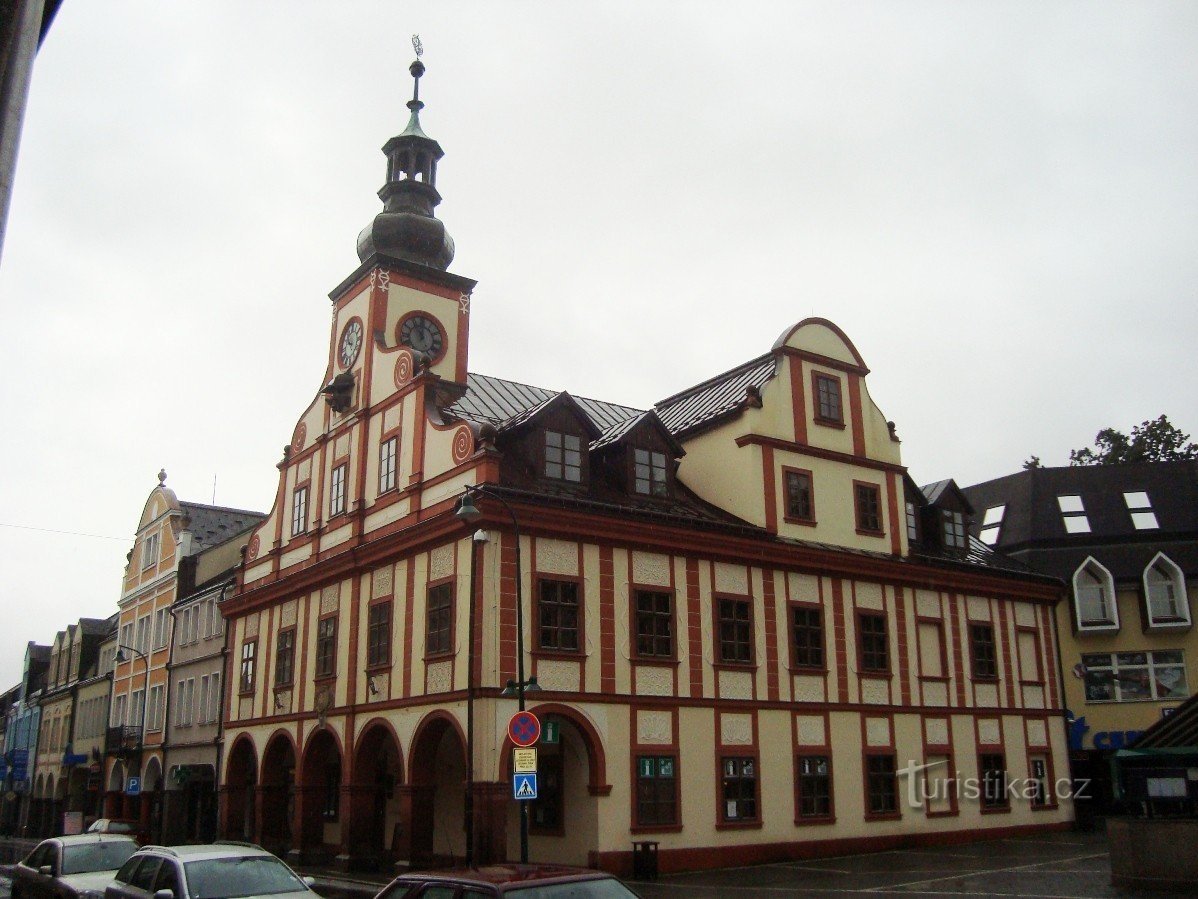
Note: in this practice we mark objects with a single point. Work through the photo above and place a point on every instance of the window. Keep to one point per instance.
(656, 790)
(953, 524)
(981, 651)
(557, 616)
(1041, 790)
(249, 651)
(205, 618)
(800, 505)
(875, 645)
(740, 789)
(337, 490)
(202, 713)
(814, 786)
(650, 470)
(1140, 508)
(154, 713)
(1094, 590)
(1165, 590)
(1135, 676)
(378, 634)
(654, 624)
(143, 634)
(827, 399)
(326, 647)
(992, 524)
(160, 628)
(214, 710)
(735, 631)
(149, 552)
(285, 658)
(299, 511)
(1073, 514)
(118, 711)
(881, 785)
(137, 709)
(218, 621)
(387, 454)
(912, 523)
(563, 456)
(127, 634)
(993, 768)
(439, 622)
(807, 637)
(869, 507)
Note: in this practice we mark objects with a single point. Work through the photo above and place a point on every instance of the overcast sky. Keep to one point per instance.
(998, 202)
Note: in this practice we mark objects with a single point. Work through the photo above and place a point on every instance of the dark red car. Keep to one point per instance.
(514, 881)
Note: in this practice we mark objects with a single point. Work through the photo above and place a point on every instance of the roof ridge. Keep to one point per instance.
(687, 391)
(589, 399)
(220, 508)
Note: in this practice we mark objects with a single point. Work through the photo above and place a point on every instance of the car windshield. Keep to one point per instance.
(106, 856)
(606, 888)
(230, 878)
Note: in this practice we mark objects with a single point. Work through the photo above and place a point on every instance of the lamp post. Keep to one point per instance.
(469, 513)
(121, 658)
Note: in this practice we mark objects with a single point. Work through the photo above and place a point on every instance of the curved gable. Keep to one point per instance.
(823, 338)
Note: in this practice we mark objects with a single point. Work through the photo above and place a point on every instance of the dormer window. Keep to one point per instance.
(650, 473)
(1073, 514)
(827, 399)
(1165, 591)
(1094, 591)
(563, 456)
(992, 524)
(1140, 508)
(953, 528)
(912, 523)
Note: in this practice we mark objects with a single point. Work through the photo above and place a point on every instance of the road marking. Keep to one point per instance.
(1012, 869)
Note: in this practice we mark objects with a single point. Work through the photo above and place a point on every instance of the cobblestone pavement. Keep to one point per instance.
(1051, 866)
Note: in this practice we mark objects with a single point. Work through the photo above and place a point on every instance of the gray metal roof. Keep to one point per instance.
(213, 525)
(505, 403)
(704, 403)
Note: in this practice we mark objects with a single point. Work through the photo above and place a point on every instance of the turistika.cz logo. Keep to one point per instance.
(993, 789)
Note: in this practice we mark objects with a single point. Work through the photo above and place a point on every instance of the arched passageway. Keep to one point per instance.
(437, 793)
(240, 781)
(278, 794)
(320, 798)
(375, 800)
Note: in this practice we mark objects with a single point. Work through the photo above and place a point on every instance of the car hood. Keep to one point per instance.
(296, 894)
(91, 880)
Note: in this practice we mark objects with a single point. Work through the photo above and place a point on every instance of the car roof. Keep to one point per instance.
(207, 851)
(91, 838)
(498, 875)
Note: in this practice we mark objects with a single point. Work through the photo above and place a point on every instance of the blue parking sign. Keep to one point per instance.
(524, 786)
(133, 786)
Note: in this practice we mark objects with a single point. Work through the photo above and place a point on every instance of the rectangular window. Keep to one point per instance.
(875, 644)
(337, 490)
(981, 651)
(285, 658)
(827, 398)
(299, 511)
(735, 631)
(881, 785)
(1041, 794)
(180, 706)
(205, 689)
(154, 714)
(1135, 676)
(650, 473)
(1073, 514)
(378, 634)
(740, 789)
(654, 624)
(912, 523)
(807, 637)
(127, 635)
(557, 616)
(160, 628)
(137, 709)
(439, 619)
(993, 768)
(563, 456)
(1139, 506)
(387, 455)
(143, 634)
(868, 498)
(954, 529)
(118, 711)
(205, 619)
(800, 502)
(149, 552)
(326, 647)
(656, 790)
(814, 786)
(249, 652)
(992, 524)
(216, 698)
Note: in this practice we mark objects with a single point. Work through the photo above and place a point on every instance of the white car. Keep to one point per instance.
(222, 870)
(74, 867)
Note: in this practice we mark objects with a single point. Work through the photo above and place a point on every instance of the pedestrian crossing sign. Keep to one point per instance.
(524, 786)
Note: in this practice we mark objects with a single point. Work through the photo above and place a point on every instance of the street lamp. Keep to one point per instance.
(469, 513)
(121, 658)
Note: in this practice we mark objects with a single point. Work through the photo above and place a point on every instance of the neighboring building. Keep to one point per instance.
(21, 742)
(1125, 540)
(9, 701)
(196, 704)
(738, 648)
(168, 533)
(93, 698)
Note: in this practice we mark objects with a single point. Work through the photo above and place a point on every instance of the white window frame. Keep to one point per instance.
(149, 551)
(299, 511)
(992, 524)
(1145, 673)
(1073, 514)
(143, 635)
(388, 464)
(1139, 507)
(1178, 579)
(154, 713)
(160, 629)
(214, 709)
(337, 489)
(1107, 585)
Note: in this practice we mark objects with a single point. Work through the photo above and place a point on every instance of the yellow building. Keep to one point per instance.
(747, 634)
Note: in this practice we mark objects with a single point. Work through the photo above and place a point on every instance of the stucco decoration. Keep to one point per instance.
(254, 547)
(439, 674)
(736, 685)
(382, 582)
(875, 692)
(558, 674)
(869, 596)
(463, 444)
(935, 693)
(651, 568)
(979, 609)
(251, 626)
(654, 681)
(1025, 614)
(877, 731)
(736, 730)
(287, 613)
(809, 688)
(1033, 697)
(557, 556)
(989, 733)
(440, 562)
(404, 366)
(936, 731)
(927, 604)
(299, 437)
(330, 599)
(986, 695)
(282, 703)
(1037, 733)
(654, 728)
(731, 578)
(803, 587)
(809, 730)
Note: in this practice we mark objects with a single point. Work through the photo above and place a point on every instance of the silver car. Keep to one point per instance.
(215, 871)
(73, 867)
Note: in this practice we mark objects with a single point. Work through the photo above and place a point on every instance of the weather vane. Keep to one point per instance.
(417, 46)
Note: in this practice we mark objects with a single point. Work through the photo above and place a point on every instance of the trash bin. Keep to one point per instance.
(644, 859)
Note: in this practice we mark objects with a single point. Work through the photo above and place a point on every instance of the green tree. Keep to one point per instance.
(1156, 440)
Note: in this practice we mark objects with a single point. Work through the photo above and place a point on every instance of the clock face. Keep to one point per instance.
(351, 343)
(424, 334)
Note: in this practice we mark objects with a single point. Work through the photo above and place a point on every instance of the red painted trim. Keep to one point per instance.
(461, 363)
(596, 757)
(1006, 651)
(857, 415)
(840, 625)
(771, 634)
(770, 490)
(819, 453)
(797, 400)
(409, 655)
(897, 524)
(507, 610)
(419, 426)
(900, 614)
(694, 623)
(1048, 623)
(957, 641)
(607, 619)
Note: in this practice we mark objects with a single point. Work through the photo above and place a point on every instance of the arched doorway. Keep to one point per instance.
(58, 806)
(320, 812)
(278, 793)
(375, 803)
(37, 807)
(114, 805)
(438, 776)
(150, 800)
(240, 779)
